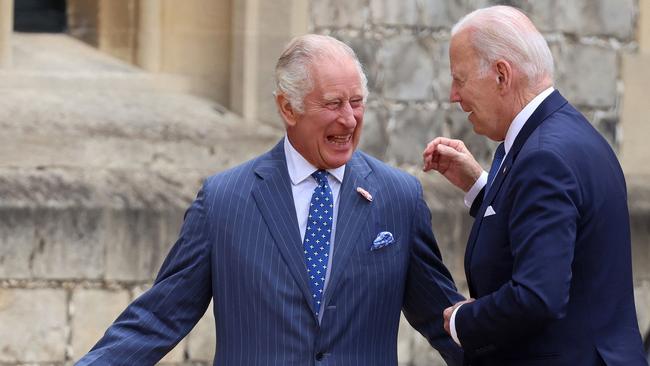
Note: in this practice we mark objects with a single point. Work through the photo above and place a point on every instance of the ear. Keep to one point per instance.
(289, 115)
(504, 75)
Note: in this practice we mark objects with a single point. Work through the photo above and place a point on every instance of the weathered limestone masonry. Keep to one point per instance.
(404, 48)
(98, 161)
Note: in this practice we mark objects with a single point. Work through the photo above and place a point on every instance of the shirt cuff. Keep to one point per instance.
(452, 325)
(470, 196)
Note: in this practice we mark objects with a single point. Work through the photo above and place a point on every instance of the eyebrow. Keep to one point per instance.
(332, 96)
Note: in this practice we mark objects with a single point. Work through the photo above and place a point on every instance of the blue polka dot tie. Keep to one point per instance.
(317, 236)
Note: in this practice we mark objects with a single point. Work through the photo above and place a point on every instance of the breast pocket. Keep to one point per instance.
(491, 258)
(381, 256)
(389, 237)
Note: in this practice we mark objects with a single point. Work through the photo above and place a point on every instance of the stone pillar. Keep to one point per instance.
(644, 26)
(117, 28)
(195, 43)
(636, 77)
(260, 31)
(83, 19)
(148, 43)
(6, 28)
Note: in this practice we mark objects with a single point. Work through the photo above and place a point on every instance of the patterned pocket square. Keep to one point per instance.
(383, 239)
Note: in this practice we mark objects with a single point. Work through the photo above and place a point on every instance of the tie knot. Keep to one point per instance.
(320, 176)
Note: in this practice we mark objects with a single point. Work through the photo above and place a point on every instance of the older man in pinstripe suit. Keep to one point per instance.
(309, 251)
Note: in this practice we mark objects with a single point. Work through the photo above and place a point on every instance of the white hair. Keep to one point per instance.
(293, 78)
(504, 32)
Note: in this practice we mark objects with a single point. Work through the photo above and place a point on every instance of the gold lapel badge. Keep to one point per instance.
(365, 194)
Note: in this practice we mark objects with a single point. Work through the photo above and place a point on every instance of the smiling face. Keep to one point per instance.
(328, 131)
(477, 94)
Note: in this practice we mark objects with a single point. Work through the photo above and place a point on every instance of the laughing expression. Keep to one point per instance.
(328, 131)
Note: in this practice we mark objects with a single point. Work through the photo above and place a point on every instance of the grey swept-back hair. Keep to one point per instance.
(504, 32)
(292, 72)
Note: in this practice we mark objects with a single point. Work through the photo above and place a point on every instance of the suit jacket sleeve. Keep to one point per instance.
(157, 320)
(429, 286)
(541, 232)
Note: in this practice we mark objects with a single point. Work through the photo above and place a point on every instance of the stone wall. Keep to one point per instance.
(98, 162)
(403, 46)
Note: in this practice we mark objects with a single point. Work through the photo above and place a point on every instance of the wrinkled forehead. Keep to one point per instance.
(462, 42)
(462, 51)
(333, 67)
(331, 56)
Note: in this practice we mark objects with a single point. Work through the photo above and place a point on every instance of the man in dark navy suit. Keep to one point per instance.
(548, 257)
(309, 252)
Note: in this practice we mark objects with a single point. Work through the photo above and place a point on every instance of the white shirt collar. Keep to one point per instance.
(521, 118)
(300, 169)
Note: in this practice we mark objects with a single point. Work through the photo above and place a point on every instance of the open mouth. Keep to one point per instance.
(339, 139)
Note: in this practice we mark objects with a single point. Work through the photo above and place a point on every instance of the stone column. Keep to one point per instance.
(6, 28)
(195, 43)
(116, 25)
(148, 45)
(636, 77)
(644, 26)
(260, 31)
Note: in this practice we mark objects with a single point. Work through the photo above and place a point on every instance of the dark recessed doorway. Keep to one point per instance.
(44, 16)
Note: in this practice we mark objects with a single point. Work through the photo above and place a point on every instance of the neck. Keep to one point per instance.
(521, 99)
(525, 95)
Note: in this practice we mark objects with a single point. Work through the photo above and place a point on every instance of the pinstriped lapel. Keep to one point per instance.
(354, 211)
(274, 198)
(549, 106)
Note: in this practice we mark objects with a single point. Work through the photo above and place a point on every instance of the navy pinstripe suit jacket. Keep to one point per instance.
(240, 246)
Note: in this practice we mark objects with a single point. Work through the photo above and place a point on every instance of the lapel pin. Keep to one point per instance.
(365, 194)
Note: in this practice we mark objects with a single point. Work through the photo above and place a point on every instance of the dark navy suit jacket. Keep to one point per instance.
(551, 269)
(241, 247)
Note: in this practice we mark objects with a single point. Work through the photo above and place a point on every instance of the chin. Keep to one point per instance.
(478, 131)
(477, 127)
(338, 160)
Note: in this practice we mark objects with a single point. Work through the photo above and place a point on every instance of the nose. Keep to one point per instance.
(454, 97)
(346, 116)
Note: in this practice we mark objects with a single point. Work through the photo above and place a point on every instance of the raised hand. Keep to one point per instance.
(452, 159)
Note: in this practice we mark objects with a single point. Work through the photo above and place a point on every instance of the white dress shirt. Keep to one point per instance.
(516, 126)
(302, 188)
